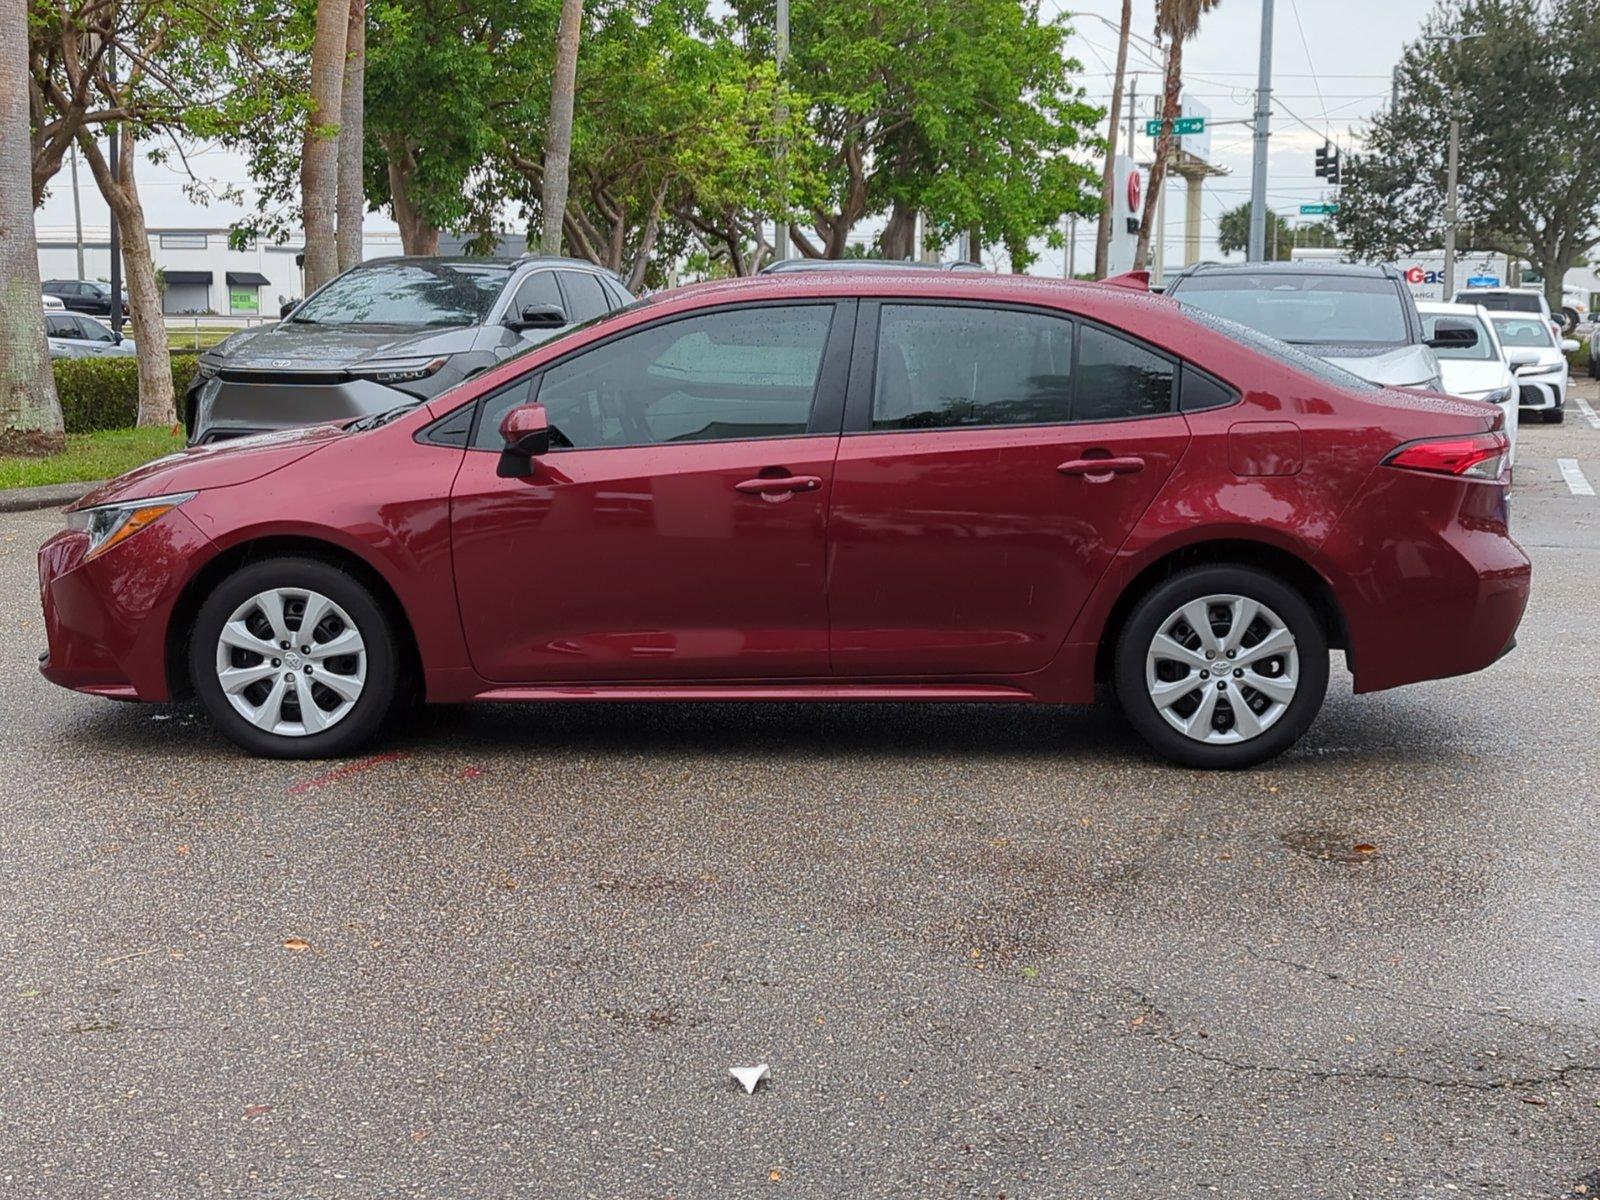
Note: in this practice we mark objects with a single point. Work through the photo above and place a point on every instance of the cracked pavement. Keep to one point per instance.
(986, 951)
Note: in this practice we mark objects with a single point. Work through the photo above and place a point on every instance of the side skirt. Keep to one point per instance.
(701, 693)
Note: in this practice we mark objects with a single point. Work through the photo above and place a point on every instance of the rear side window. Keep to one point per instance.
(1118, 378)
(1199, 391)
(586, 298)
(940, 367)
(61, 327)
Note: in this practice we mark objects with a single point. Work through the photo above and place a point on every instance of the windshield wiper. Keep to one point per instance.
(373, 420)
(304, 321)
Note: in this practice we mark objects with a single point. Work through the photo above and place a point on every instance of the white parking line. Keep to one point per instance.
(1576, 483)
(1588, 411)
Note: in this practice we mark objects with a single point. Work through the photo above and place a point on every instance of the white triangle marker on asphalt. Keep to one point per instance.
(748, 1077)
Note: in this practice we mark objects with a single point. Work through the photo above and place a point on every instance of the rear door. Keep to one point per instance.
(676, 529)
(994, 460)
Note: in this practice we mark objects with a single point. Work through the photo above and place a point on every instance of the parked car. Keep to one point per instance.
(786, 266)
(1476, 371)
(72, 335)
(824, 486)
(1539, 359)
(52, 303)
(1358, 317)
(1520, 300)
(385, 332)
(84, 295)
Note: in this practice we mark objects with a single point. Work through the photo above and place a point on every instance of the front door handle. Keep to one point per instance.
(777, 485)
(1101, 468)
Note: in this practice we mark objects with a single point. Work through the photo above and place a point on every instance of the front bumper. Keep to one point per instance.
(106, 618)
(1541, 391)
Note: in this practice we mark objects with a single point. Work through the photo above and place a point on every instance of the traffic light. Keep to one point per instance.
(1328, 163)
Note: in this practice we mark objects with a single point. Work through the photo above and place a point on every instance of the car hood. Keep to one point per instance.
(1464, 377)
(290, 347)
(1401, 366)
(221, 464)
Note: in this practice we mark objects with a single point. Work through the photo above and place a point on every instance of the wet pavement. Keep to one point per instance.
(987, 952)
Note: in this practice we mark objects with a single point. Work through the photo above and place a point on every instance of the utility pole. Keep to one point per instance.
(780, 226)
(1069, 262)
(77, 209)
(1258, 168)
(116, 230)
(1450, 198)
(1133, 107)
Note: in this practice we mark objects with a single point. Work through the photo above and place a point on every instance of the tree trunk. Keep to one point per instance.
(121, 192)
(1158, 169)
(319, 160)
(558, 138)
(1108, 205)
(417, 235)
(352, 201)
(899, 236)
(30, 413)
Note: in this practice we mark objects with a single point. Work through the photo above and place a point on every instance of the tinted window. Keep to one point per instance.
(1482, 351)
(539, 288)
(1201, 392)
(407, 293)
(940, 367)
(1504, 301)
(1308, 310)
(742, 374)
(1117, 378)
(584, 294)
(61, 327)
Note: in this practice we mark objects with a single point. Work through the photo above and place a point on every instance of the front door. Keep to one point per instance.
(676, 529)
(995, 460)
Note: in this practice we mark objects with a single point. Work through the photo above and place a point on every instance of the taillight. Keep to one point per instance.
(1478, 456)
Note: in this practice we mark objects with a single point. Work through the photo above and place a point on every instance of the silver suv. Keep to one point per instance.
(390, 332)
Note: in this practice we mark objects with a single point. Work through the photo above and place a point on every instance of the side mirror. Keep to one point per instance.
(1522, 360)
(286, 308)
(1569, 345)
(537, 316)
(1452, 334)
(525, 430)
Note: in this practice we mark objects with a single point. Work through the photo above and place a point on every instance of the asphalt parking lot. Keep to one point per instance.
(987, 952)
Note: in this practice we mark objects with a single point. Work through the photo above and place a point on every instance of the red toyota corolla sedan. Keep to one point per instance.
(818, 487)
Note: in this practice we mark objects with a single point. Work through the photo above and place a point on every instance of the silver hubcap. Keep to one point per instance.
(1222, 669)
(291, 662)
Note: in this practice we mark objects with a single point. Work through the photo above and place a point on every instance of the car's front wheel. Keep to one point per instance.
(294, 658)
(1221, 666)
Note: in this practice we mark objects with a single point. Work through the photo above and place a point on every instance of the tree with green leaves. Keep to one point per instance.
(1523, 83)
(970, 114)
(1233, 233)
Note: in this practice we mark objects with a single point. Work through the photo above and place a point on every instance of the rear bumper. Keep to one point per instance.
(1430, 581)
(106, 619)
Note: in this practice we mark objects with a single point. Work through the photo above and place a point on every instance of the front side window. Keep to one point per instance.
(407, 293)
(947, 366)
(587, 298)
(538, 288)
(1118, 378)
(1304, 310)
(747, 373)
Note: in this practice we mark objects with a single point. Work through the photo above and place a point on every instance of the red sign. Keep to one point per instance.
(1133, 191)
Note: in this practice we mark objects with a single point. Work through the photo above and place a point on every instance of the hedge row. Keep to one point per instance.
(103, 393)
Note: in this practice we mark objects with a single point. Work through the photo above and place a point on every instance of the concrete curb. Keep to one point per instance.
(55, 496)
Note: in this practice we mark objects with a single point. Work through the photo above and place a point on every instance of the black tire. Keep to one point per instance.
(1594, 364)
(1569, 319)
(1555, 416)
(379, 695)
(1151, 613)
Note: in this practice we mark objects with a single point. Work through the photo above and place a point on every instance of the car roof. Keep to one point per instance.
(506, 261)
(1298, 266)
(785, 266)
(1440, 308)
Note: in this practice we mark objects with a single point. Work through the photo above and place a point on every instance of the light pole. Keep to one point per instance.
(1258, 166)
(1451, 155)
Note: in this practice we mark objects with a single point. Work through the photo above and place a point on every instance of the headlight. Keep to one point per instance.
(1498, 396)
(108, 524)
(207, 366)
(398, 370)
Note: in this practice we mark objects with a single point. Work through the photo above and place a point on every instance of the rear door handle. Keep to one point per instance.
(775, 485)
(1104, 467)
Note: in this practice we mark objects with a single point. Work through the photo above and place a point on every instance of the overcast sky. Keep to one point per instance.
(1331, 69)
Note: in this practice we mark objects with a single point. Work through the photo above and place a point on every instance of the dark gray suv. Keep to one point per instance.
(386, 333)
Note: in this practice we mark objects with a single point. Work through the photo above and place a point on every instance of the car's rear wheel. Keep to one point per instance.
(1221, 666)
(294, 658)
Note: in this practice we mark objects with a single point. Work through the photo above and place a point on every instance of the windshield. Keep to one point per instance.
(1282, 351)
(410, 293)
(1504, 301)
(1482, 351)
(1307, 310)
(1525, 331)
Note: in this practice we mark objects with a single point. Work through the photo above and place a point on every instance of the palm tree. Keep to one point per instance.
(558, 140)
(30, 414)
(1176, 22)
(1102, 237)
(319, 163)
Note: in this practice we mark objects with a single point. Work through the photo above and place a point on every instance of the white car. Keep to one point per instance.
(53, 303)
(1477, 372)
(1539, 360)
(73, 335)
